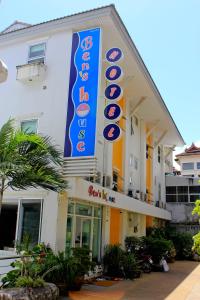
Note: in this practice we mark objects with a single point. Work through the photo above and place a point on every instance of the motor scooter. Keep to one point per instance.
(162, 265)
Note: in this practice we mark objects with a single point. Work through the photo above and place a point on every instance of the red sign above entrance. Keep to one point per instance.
(100, 194)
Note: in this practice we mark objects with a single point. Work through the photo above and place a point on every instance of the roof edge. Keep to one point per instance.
(142, 65)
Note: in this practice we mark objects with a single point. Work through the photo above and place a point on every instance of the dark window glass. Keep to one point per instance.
(198, 165)
(170, 190)
(182, 198)
(194, 189)
(193, 198)
(182, 189)
(147, 151)
(31, 221)
(159, 152)
(170, 198)
(37, 53)
(188, 166)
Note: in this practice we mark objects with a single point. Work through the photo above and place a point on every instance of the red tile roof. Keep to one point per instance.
(192, 150)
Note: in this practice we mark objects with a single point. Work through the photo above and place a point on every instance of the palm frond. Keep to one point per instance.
(29, 160)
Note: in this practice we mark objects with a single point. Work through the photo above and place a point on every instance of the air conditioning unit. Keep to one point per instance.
(31, 72)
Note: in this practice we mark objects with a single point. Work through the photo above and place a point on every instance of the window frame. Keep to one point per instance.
(20, 215)
(187, 163)
(36, 58)
(29, 120)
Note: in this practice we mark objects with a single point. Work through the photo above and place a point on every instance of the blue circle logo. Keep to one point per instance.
(113, 92)
(112, 132)
(113, 73)
(114, 54)
(112, 111)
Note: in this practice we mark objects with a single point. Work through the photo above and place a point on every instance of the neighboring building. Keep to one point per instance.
(189, 161)
(181, 193)
(184, 189)
(56, 86)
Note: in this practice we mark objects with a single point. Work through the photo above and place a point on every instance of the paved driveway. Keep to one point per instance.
(182, 282)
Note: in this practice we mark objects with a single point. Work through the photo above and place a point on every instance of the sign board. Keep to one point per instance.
(112, 132)
(80, 136)
(113, 92)
(112, 112)
(114, 54)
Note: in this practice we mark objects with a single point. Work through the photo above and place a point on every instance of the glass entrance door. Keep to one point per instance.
(83, 232)
(86, 232)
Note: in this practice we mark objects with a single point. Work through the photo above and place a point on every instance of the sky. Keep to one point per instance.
(166, 33)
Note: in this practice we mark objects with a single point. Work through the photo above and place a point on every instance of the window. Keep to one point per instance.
(135, 163)
(194, 189)
(84, 227)
(131, 160)
(182, 189)
(182, 198)
(159, 154)
(37, 53)
(30, 220)
(170, 198)
(115, 181)
(170, 190)
(29, 126)
(147, 151)
(188, 166)
(198, 165)
(193, 198)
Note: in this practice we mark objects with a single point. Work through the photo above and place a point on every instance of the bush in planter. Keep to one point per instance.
(132, 243)
(156, 247)
(67, 269)
(119, 263)
(26, 274)
(183, 243)
(130, 266)
(113, 260)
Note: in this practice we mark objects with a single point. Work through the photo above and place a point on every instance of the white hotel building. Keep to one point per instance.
(118, 189)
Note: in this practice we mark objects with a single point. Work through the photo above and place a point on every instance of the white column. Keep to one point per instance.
(61, 222)
(49, 219)
(142, 157)
(105, 227)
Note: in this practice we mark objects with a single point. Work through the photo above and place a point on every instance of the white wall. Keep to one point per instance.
(132, 149)
(46, 99)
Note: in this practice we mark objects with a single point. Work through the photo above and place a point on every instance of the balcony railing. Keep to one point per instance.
(31, 72)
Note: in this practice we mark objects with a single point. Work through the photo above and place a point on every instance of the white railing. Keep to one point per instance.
(80, 167)
(6, 258)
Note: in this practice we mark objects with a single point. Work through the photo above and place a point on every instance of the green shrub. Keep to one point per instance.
(196, 245)
(119, 263)
(132, 242)
(183, 243)
(156, 232)
(42, 264)
(113, 260)
(27, 281)
(156, 247)
(130, 266)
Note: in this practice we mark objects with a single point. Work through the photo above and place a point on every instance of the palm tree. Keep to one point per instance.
(28, 160)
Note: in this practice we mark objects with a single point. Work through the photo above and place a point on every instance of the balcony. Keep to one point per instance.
(80, 167)
(93, 192)
(31, 72)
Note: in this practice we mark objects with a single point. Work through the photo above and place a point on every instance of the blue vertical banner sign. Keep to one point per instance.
(80, 135)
